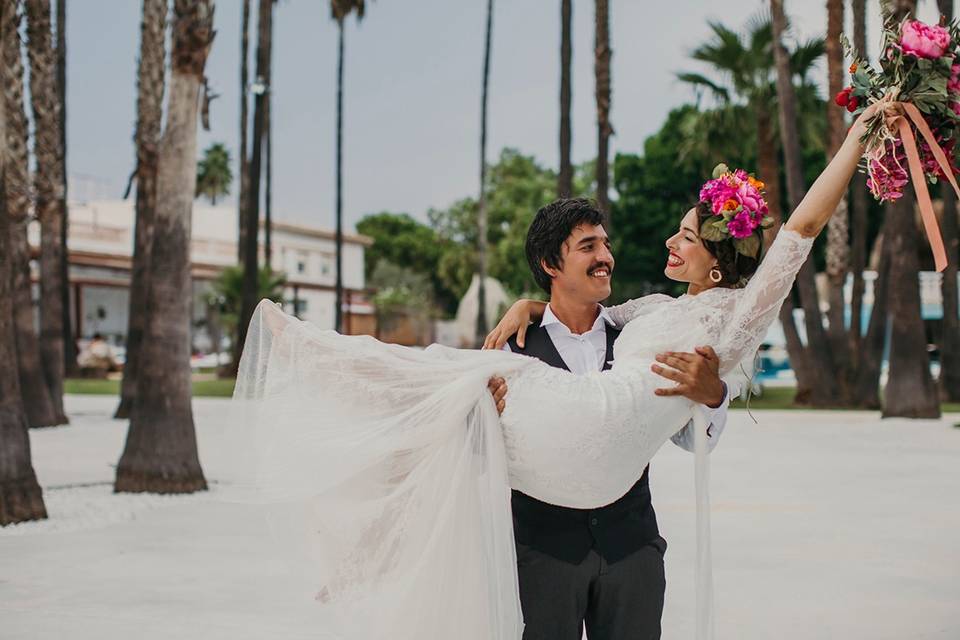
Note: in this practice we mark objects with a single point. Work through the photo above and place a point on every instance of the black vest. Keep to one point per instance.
(616, 530)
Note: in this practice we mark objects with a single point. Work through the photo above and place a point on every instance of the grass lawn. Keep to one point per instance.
(782, 398)
(220, 388)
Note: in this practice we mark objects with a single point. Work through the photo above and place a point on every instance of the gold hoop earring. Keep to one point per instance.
(715, 276)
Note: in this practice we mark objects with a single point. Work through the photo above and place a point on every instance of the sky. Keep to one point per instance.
(411, 91)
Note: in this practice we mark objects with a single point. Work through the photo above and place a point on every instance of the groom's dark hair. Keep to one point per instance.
(551, 227)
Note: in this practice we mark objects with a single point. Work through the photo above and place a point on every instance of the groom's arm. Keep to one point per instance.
(697, 378)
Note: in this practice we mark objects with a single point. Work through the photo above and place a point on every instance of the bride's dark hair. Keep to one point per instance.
(735, 267)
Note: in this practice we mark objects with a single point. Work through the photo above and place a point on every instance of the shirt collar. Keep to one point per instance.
(549, 317)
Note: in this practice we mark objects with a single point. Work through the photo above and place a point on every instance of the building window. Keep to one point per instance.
(299, 306)
(301, 266)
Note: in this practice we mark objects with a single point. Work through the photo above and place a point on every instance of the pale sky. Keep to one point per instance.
(412, 90)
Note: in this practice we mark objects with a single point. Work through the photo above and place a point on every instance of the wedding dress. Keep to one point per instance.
(401, 471)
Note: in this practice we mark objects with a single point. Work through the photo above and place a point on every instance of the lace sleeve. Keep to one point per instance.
(760, 301)
(621, 314)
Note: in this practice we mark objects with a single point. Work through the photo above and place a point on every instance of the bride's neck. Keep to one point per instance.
(694, 288)
(576, 315)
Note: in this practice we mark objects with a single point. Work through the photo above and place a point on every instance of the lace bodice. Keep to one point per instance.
(732, 321)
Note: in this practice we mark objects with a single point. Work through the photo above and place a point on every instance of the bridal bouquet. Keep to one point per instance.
(919, 77)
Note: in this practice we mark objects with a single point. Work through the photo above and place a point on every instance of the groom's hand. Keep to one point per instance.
(697, 375)
(498, 389)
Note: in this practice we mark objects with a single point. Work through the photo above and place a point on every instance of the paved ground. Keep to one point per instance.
(826, 526)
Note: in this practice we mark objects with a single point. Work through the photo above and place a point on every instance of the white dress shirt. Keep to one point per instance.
(584, 352)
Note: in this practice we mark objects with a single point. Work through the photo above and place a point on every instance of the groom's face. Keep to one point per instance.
(586, 265)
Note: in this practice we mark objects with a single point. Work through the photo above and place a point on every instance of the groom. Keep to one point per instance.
(599, 568)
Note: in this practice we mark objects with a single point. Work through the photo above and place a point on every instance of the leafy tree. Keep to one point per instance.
(227, 294)
(214, 175)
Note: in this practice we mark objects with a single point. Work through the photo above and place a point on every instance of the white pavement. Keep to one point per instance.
(826, 525)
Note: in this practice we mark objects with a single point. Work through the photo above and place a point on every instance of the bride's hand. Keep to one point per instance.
(515, 321)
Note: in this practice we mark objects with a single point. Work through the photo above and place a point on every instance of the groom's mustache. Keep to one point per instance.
(600, 265)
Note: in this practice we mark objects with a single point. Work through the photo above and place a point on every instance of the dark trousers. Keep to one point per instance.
(619, 601)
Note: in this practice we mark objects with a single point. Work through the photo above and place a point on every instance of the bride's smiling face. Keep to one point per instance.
(689, 260)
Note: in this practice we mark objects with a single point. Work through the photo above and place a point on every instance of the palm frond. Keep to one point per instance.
(805, 56)
(700, 81)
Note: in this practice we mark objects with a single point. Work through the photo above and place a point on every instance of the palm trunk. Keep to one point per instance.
(481, 331)
(244, 158)
(338, 295)
(769, 168)
(838, 229)
(823, 391)
(602, 55)
(950, 342)
(910, 391)
(251, 255)
(565, 177)
(160, 454)
(49, 193)
(867, 383)
(33, 388)
(20, 495)
(70, 345)
(268, 175)
(150, 88)
(858, 253)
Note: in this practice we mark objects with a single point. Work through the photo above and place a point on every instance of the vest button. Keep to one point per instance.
(594, 521)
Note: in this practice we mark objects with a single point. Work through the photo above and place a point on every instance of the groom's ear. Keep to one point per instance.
(550, 271)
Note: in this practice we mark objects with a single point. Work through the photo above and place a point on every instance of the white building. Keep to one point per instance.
(100, 249)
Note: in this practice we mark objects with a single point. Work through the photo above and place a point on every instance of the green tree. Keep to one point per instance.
(214, 175)
(227, 294)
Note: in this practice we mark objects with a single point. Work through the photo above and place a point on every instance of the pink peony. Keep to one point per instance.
(741, 225)
(924, 41)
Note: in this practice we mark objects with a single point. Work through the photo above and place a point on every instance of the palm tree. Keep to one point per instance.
(244, 158)
(160, 454)
(49, 194)
(213, 173)
(601, 67)
(950, 342)
(482, 202)
(251, 257)
(565, 177)
(910, 390)
(36, 396)
(858, 252)
(838, 229)
(70, 348)
(227, 295)
(823, 385)
(339, 10)
(20, 495)
(746, 66)
(150, 89)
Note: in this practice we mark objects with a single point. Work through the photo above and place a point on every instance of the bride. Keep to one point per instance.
(400, 469)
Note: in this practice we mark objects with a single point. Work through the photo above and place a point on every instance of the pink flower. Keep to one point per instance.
(888, 173)
(741, 225)
(924, 41)
(956, 107)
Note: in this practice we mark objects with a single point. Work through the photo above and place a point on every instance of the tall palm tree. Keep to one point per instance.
(160, 454)
(244, 158)
(565, 177)
(70, 345)
(49, 193)
(482, 202)
(339, 10)
(838, 229)
(601, 67)
(910, 390)
(20, 495)
(150, 89)
(950, 342)
(36, 396)
(213, 173)
(858, 251)
(746, 67)
(251, 257)
(823, 385)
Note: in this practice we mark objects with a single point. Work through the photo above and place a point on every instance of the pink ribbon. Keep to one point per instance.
(918, 177)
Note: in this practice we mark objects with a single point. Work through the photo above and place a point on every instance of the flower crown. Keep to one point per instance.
(739, 209)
